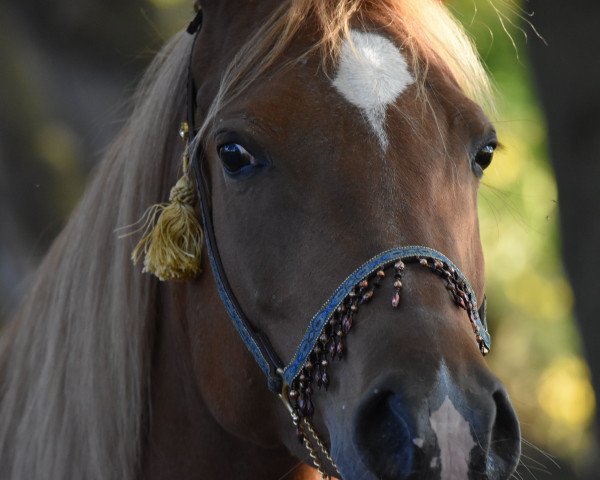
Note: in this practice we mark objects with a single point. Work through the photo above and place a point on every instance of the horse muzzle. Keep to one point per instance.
(449, 434)
(416, 400)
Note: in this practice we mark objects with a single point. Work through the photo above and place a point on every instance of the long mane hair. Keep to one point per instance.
(75, 362)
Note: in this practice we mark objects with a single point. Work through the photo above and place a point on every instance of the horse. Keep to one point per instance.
(324, 133)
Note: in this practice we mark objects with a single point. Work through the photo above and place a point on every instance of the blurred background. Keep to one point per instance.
(69, 69)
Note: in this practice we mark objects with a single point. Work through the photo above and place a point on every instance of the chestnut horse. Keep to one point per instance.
(329, 131)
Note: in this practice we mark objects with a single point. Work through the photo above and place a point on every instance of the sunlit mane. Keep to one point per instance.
(429, 33)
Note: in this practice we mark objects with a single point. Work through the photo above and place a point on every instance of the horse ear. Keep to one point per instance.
(172, 241)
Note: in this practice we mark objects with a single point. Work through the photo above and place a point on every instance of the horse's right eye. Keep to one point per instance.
(236, 159)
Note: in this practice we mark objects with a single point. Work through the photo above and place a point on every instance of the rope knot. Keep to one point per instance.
(172, 242)
(183, 192)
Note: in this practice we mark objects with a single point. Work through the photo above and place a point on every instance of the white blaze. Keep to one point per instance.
(372, 74)
(454, 439)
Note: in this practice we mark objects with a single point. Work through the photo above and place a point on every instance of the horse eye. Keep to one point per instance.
(484, 156)
(235, 158)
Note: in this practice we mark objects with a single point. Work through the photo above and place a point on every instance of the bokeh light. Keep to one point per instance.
(536, 350)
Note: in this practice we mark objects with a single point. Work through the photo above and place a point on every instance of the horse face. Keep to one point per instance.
(311, 174)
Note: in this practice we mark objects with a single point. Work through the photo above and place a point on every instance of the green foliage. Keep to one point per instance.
(536, 348)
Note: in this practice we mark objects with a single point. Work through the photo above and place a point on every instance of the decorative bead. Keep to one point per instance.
(309, 391)
(354, 308)
(332, 349)
(309, 365)
(397, 284)
(366, 298)
(325, 380)
(310, 409)
(324, 338)
(399, 265)
(301, 404)
(293, 394)
(363, 284)
(317, 349)
(184, 130)
(380, 273)
(324, 363)
(423, 262)
(396, 300)
(339, 348)
(346, 324)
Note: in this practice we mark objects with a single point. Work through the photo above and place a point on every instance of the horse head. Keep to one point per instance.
(328, 135)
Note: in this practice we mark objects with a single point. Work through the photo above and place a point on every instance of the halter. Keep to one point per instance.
(325, 337)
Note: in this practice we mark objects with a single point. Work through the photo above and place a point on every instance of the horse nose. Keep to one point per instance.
(384, 433)
(444, 435)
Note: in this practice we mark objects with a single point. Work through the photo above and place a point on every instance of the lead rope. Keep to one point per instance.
(312, 451)
(304, 423)
(323, 448)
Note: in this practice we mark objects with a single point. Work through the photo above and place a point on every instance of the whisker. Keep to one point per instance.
(544, 453)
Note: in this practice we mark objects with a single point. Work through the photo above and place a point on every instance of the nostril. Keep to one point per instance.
(383, 437)
(505, 446)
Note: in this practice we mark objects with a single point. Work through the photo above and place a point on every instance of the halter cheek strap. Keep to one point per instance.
(257, 342)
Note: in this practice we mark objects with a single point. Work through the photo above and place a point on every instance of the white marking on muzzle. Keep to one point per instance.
(454, 439)
(371, 75)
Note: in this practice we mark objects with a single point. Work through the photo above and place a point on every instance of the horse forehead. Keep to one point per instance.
(371, 75)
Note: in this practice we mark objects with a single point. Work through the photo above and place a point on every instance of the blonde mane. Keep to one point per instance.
(75, 363)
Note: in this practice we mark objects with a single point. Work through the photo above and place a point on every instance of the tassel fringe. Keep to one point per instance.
(172, 241)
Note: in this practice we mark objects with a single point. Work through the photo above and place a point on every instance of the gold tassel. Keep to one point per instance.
(172, 240)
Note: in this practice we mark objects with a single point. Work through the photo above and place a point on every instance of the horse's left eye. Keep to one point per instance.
(236, 159)
(483, 158)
